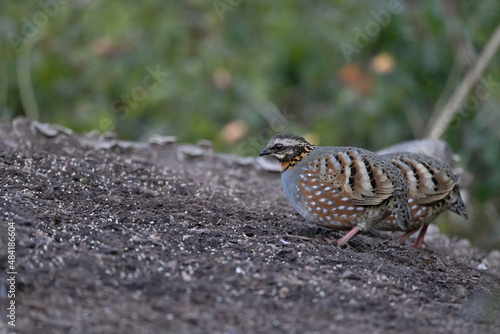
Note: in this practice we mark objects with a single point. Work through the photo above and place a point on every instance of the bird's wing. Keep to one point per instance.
(362, 177)
(429, 180)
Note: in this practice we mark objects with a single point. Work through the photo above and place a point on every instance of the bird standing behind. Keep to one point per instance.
(432, 189)
(340, 187)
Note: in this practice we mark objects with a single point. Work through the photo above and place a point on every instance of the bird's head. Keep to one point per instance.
(287, 148)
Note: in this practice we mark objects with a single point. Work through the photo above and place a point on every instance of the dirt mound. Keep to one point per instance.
(117, 237)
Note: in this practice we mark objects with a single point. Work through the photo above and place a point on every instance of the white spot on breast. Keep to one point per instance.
(350, 208)
(414, 207)
(343, 217)
(419, 212)
(328, 188)
(313, 203)
(341, 207)
(321, 219)
(322, 199)
(410, 200)
(329, 202)
(345, 199)
(360, 208)
(319, 192)
(328, 218)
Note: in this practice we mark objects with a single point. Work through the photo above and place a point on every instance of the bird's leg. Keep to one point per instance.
(405, 236)
(420, 239)
(345, 239)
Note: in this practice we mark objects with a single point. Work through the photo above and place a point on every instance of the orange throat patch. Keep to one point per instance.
(288, 164)
(285, 165)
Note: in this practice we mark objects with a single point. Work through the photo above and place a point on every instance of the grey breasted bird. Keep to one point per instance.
(340, 188)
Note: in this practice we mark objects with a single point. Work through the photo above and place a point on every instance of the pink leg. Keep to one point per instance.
(345, 239)
(405, 236)
(420, 238)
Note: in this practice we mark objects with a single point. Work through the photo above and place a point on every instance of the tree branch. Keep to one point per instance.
(439, 124)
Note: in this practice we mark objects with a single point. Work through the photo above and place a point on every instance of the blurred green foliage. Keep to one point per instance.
(357, 73)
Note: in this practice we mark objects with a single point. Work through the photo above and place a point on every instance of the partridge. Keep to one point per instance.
(432, 189)
(339, 187)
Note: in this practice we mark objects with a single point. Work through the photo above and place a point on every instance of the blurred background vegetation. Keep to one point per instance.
(360, 73)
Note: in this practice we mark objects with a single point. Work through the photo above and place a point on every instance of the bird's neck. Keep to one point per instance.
(299, 154)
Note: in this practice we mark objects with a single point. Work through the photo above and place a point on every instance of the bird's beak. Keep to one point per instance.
(264, 152)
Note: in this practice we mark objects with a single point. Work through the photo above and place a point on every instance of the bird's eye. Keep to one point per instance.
(279, 147)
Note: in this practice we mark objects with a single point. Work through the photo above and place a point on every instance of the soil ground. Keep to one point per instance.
(116, 237)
